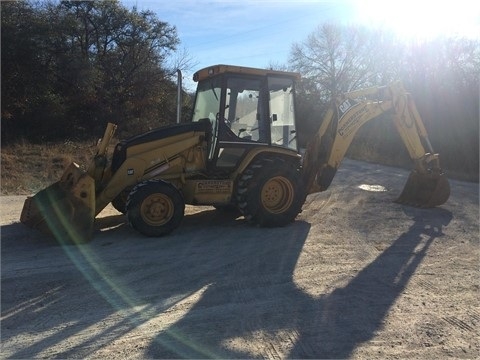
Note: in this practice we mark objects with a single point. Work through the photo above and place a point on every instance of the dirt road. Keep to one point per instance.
(356, 276)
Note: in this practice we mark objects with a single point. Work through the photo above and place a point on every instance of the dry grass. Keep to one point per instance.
(28, 168)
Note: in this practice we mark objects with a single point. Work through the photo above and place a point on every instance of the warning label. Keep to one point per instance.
(214, 186)
(349, 123)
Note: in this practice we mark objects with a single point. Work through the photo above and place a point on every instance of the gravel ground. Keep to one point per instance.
(355, 276)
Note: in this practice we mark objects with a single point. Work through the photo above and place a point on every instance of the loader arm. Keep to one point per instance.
(426, 186)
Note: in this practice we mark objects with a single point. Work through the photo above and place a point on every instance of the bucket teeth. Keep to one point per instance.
(425, 190)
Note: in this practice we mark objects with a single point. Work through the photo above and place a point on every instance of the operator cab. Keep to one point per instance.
(247, 108)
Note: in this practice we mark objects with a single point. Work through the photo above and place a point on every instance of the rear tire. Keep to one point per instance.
(269, 192)
(155, 208)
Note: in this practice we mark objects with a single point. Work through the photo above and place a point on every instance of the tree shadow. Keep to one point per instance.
(331, 326)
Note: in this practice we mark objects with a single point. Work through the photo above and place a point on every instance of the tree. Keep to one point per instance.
(27, 91)
(336, 59)
(332, 60)
(83, 63)
(442, 75)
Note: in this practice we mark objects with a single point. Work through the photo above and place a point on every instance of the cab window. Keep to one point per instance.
(282, 112)
(244, 110)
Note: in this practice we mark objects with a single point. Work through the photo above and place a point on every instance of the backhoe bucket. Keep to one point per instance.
(425, 190)
(65, 209)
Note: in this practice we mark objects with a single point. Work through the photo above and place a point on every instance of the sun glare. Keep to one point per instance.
(422, 19)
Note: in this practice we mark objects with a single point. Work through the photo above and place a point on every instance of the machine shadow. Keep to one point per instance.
(254, 293)
(91, 277)
(240, 283)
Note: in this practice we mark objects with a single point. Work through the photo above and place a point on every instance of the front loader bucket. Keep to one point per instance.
(425, 190)
(65, 209)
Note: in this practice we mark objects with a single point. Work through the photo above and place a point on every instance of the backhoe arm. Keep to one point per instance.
(426, 186)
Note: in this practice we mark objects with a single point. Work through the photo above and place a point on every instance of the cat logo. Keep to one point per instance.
(345, 106)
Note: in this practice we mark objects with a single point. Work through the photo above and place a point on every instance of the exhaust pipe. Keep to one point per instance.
(179, 96)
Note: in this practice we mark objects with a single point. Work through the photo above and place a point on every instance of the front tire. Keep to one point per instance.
(155, 208)
(270, 193)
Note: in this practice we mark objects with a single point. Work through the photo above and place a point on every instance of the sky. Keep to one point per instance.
(260, 33)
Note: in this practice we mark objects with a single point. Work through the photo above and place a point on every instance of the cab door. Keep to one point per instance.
(245, 120)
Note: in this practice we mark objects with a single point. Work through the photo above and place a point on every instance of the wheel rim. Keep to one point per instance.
(157, 209)
(277, 195)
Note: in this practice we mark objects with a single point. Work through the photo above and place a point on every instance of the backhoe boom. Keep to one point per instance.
(426, 186)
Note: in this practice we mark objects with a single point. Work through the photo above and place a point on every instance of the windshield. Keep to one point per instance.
(207, 106)
(207, 101)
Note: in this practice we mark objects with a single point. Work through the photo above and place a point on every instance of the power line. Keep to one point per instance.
(259, 29)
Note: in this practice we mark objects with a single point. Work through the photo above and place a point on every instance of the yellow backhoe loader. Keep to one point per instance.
(240, 150)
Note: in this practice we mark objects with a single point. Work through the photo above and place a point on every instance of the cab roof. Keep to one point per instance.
(233, 69)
